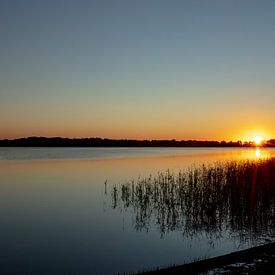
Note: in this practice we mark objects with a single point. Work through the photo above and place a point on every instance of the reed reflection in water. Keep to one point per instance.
(237, 197)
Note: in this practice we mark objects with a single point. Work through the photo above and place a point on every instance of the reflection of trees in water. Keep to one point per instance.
(234, 196)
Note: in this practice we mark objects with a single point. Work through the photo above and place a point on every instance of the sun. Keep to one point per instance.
(257, 140)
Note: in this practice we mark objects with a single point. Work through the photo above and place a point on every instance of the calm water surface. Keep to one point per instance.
(56, 215)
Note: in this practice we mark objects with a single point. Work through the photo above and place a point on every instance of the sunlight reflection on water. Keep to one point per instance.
(256, 154)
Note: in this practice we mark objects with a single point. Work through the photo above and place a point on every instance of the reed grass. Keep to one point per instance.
(237, 196)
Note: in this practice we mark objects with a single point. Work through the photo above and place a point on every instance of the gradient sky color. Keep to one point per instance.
(137, 69)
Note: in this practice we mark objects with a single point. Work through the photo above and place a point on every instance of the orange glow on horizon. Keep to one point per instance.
(257, 140)
(257, 136)
(162, 131)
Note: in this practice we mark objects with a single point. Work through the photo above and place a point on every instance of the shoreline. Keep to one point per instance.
(266, 251)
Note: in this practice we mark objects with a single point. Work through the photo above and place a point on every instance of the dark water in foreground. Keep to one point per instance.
(57, 215)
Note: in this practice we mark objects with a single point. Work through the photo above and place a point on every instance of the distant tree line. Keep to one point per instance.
(105, 142)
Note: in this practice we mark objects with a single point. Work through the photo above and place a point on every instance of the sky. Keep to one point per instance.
(143, 69)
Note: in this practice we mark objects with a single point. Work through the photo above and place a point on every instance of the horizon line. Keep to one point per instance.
(134, 139)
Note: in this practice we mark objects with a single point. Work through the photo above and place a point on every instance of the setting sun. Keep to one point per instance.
(257, 140)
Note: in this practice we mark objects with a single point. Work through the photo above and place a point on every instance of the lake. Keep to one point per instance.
(57, 211)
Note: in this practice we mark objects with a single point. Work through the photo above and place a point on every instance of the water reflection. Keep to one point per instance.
(256, 154)
(53, 219)
(237, 197)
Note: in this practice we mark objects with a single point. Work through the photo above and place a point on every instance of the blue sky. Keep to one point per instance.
(137, 69)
